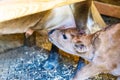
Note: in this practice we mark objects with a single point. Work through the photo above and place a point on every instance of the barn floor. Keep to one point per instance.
(25, 63)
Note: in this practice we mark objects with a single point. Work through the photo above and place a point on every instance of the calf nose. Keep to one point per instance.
(79, 45)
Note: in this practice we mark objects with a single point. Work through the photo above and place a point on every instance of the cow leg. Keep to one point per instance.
(52, 61)
(30, 41)
(30, 38)
(80, 65)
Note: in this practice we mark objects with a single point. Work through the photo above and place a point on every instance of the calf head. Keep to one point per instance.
(72, 41)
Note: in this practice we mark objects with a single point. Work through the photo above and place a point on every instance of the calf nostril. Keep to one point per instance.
(79, 46)
(76, 45)
(82, 45)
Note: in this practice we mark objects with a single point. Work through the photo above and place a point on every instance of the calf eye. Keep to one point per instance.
(64, 36)
(51, 31)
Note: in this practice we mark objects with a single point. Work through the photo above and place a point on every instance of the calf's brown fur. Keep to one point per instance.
(104, 46)
(101, 49)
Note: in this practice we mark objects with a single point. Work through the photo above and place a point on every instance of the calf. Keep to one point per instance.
(101, 49)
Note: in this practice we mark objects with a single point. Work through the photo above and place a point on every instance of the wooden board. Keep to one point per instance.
(96, 15)
(22, 24)
(108, 9)
(11, 9)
